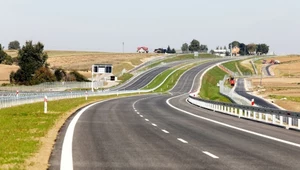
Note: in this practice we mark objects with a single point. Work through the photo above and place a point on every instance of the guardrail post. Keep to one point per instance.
(254, 115)
(232, 110)
(290, 121)
(241, 113)
(298, 123)
(259, 116)
(266, 117)
(249, 114)
(45, 104)
(236, 111)
(281, 120)
(274, 119)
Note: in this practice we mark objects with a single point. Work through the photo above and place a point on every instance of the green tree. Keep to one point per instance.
(173, 51)
(194, 46)
(234, 44)
(264, 48)
(251, 48)
(243, 49)
(203, 48)
(185, 47)
(169, 49)
(14, 45)
(225, 48)
(2, 54)
(31, 57)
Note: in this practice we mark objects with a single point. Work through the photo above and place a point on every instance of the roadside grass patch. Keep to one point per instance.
(160, 78)
(125, 77)
(22, 128)
(209, 89)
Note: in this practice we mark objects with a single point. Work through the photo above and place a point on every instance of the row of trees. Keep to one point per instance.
(34, 68)
(250, 49)
(194, 46)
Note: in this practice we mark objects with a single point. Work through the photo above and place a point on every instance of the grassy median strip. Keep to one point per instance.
(171, 81)
(209, 89)
(160, 78)
(181, 57)
(23, 127)
(232, 66)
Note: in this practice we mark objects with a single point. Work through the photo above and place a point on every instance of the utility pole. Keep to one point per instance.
(231, 50)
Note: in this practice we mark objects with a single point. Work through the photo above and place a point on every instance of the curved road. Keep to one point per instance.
(147, 132)
(240, 89)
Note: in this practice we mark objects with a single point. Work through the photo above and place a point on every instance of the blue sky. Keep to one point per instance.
(98, 25)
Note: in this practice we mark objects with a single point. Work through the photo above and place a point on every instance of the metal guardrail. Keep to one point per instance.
(287, 119)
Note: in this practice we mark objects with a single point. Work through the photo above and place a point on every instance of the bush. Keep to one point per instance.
(78, 77)
(60, 74)
(8, 60)
(42, 75)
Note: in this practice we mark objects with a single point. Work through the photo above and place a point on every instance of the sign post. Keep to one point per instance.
(45, 104)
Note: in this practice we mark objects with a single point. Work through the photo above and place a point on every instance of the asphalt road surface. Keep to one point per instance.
(240, 89)
(166, 132)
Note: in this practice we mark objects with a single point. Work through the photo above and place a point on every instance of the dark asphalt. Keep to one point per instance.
(240, 89)
(112, 135)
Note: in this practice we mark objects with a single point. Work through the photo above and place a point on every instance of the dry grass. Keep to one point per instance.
(83, 61)
(285, 83)
(5, 70)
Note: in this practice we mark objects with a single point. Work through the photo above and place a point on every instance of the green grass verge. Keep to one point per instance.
(232, 66)
(209, 89)
(181, 57)
(160, 78)
(171, 81)
(22, 127)
(125, 77)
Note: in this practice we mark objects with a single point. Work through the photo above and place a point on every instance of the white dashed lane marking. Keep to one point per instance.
(181, 140)
(164, 131)
(211, 155)
(141, 115)
(154, 124)
(147, 120)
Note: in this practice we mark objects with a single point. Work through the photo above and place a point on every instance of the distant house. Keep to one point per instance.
(142, 50)
(235, 51)
(221, 53)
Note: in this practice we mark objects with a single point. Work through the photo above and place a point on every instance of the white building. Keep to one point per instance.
(221, 53)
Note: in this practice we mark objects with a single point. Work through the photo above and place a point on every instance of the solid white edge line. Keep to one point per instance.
(181, 140)
(154, 124)
(66, 161)
(233, 127)
(211, 155)
(165, 131)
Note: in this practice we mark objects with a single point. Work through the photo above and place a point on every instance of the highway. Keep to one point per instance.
(166, 132)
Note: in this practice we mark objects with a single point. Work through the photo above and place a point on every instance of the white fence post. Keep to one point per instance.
(259, 116)
(274, 119)
(266, 117)
(254, 115)
(290, 121)
(45, 104)
(281, 120)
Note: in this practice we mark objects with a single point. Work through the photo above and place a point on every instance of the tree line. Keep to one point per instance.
(250, 49)
(194, 46)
